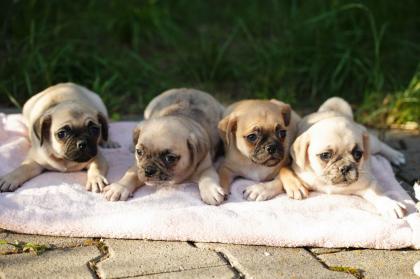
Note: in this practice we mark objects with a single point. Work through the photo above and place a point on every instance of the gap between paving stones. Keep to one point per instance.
(225, 258)
(104, 254)
(356, 272)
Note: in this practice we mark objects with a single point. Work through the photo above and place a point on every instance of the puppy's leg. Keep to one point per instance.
(209, 184)
(226, 178)
(384, 204)
(286, 180)
(97, 170)
(14, 179)
(109, 144)
(263, 191)
(378, 147)
(293, 186)
(125, 187)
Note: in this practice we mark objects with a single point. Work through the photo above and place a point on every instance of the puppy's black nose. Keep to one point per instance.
(272, 148)
(345, 169)
(150, 170)
(81, 145)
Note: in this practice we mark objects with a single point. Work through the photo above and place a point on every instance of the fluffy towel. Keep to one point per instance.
(57, 204)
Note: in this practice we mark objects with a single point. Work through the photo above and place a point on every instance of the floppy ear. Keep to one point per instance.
(136, 133)
(198, 147)
(104, 126)
(227, 128)
(286, 111)
(41, 128)
(299, 150)
(366, 145)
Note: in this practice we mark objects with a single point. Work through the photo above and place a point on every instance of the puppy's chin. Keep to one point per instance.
(81, 157)
(267, 162)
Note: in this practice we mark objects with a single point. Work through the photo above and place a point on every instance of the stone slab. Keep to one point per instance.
(60, 263)
(376, 263)
(49, 241)
(220, 272)
(273, 262)
(142, 257)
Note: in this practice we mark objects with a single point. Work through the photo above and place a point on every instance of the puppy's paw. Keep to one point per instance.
(391, 209)
(110, 144)
(10, 182)
(116, 192)
(259, 192)
(295, 189)
(213, 194)
(96, 183)
(396, 157)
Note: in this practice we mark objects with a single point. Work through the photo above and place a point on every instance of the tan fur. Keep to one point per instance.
(241, 160)
(182, 122)
(332, 129)
(44, 113)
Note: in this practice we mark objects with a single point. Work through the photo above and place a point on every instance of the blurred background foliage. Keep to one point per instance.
(298, 51)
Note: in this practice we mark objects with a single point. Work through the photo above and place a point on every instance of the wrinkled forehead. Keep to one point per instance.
(266, 119)
(339, 136)
(163, 136)
(73, 118)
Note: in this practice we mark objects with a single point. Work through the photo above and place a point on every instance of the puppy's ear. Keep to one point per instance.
(198, 146)
(286, 111)
(299, 150)
(366, 145)
(136, 134)
(104, 126)
(227, 128)
(42, 127)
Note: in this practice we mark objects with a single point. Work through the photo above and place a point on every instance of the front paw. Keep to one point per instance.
(110, 144)
(116, 192)
(391, 209)
(295, 189)
(10, 182)
(96, 183)
(397, 158)
(260, 192)
(213, 194)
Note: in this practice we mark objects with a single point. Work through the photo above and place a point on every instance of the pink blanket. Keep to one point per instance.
(57, 204)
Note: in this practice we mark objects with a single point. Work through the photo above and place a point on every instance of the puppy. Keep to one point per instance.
(66, 123)
(175, 143)
(257, 135)
(331, 155)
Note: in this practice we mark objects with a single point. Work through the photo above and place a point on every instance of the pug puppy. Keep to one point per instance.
(66, 123)
(331, 155)
(257, 135)
(175, 143)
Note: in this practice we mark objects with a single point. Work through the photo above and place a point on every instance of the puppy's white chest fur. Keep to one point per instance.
(257, 173)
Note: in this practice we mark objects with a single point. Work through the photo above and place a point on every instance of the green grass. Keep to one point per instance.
(298, 51)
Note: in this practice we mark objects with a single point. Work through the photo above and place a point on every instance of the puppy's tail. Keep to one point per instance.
(338, 105)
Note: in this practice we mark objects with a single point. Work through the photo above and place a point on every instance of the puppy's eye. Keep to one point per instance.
(61, 134)
(139, 152)
(325, 156)
(357, 154)
(170, 158)
(281, 133)
(93, 129)
(251, 137)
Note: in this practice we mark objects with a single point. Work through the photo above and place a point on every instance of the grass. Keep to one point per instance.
(301, 52)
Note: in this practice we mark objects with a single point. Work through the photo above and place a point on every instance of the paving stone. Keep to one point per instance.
(60, 263)
(376, 263)
(141, 257)
(273, 262)
(220, 272)
(321, 250)
(49, 241)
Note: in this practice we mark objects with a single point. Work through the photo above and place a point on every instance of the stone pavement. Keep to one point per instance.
(64, 257)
